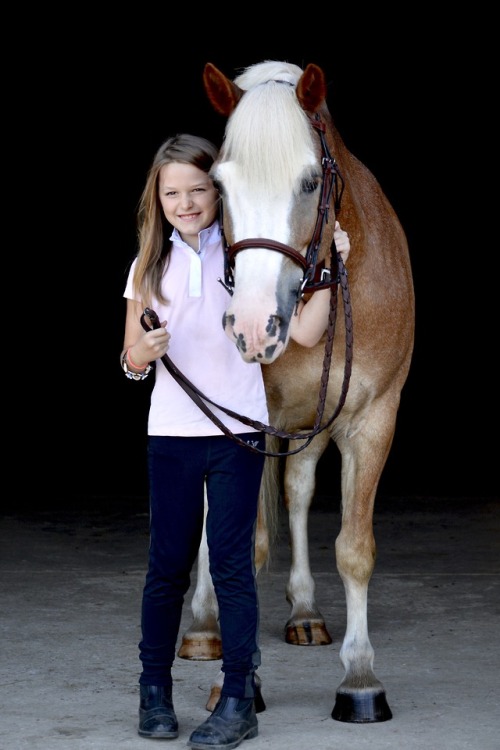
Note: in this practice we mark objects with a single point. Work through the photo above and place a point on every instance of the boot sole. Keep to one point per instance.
(158, 735)
(250, 735)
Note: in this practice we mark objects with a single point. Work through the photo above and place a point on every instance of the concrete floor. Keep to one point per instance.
(71, 585)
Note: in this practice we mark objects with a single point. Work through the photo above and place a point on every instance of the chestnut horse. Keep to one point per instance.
(279, 148)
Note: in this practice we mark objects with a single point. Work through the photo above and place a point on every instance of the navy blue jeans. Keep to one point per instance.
(178, 468)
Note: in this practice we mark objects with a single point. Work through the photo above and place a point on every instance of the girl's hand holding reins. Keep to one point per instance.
(342, 242)
(153, 344)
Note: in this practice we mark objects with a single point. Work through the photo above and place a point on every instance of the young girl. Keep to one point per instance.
(176, 273)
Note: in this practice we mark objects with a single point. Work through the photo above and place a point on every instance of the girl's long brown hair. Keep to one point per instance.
(153, 229)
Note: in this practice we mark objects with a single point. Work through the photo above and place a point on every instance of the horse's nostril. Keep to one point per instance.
(241, 343)
(227, 321)
(273, 325)
(270, 350)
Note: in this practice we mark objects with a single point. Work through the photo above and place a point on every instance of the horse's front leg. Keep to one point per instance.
(361, 696)
(306, 625)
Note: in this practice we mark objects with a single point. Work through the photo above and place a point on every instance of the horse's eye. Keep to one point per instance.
(217, 186)
(309, 186)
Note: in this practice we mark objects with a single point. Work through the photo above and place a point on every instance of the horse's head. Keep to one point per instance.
(270, 175)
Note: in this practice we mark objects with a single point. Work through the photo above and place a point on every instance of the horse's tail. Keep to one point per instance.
(270, 496)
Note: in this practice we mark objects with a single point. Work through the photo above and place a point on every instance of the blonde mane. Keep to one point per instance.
(268, 135)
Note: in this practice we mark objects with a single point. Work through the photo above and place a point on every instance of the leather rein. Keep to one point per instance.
(314, 278)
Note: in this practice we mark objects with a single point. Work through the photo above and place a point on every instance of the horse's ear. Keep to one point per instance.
(224, 95)
(311, 88)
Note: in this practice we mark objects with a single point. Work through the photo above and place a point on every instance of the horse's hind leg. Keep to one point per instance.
(202, 641)
(306, 625)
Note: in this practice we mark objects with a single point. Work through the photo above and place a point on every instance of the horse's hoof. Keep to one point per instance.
(202, 649)
(213, 698)
(308, 634)
(361, 708)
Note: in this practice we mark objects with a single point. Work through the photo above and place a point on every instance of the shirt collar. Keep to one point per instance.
(208, 236)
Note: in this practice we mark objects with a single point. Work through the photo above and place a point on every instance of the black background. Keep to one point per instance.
(103, 95)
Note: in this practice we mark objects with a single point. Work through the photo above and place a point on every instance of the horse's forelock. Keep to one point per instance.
(269, 137)
(269, 70)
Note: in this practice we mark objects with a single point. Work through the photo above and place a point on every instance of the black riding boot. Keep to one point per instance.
(232, 721)
(157, 719)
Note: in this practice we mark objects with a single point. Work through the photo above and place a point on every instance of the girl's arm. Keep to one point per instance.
(311, 320)
(140, 346)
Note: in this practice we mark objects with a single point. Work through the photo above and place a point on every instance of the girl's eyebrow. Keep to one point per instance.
(191, 187)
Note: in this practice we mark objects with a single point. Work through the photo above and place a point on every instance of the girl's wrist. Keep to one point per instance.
(133, 364)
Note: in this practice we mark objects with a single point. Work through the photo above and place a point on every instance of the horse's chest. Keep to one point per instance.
(293, 384)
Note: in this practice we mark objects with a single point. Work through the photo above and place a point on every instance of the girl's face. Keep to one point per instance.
(188, 198)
